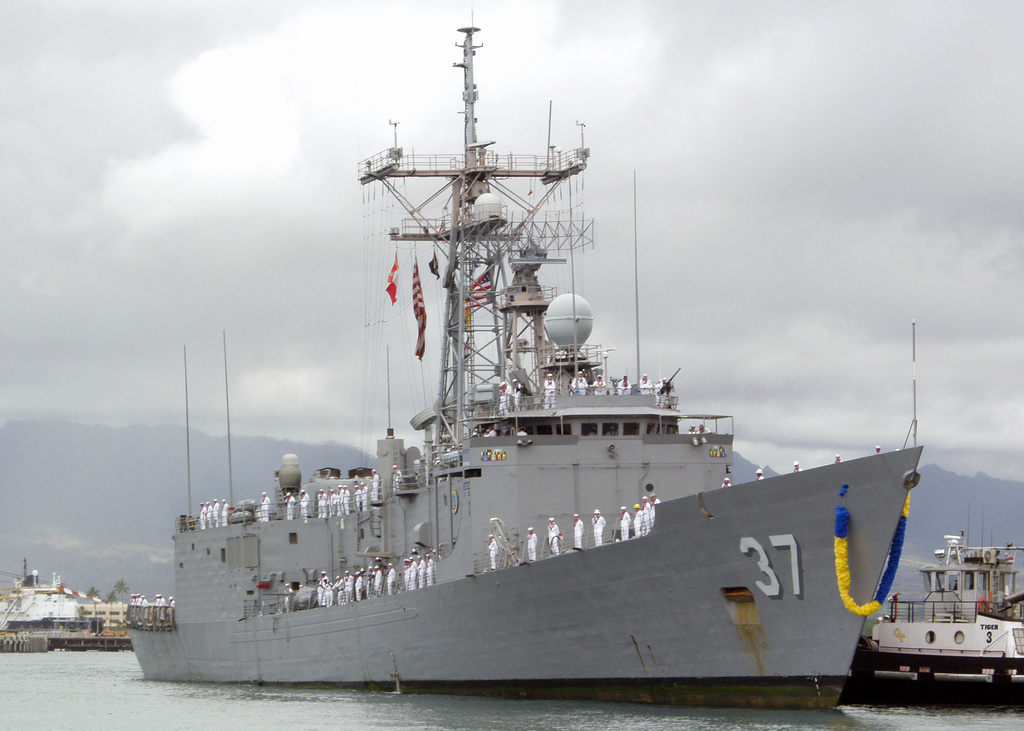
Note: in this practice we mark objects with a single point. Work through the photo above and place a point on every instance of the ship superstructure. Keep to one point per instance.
(702, 594)
(34, 604)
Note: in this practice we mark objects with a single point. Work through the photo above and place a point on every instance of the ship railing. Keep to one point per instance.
(393, 162)
(932, 611)
(150, 618)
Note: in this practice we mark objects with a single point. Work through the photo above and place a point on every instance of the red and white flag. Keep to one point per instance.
(392, 288)
(419, 310)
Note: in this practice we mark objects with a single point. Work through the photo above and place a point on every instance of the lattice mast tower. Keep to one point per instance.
(494, 240)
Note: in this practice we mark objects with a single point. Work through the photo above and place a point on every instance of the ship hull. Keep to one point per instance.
(731, 599)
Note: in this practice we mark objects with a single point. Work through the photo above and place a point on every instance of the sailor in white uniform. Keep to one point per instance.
(580, 385)
(531, 545)
(760, 474)
(554, 541)
(303, 504)
(503, 399)
(624, 387)
(350, 585)
(624, 523)
(265, 509)
(646, 509)
(638, 520)
(421, 573)
(375, 484)
(645, 385)
(577, 532)
(662, 396)
(517, 394)
(396, 479)
(224, 513)
(600, 388)
(392, 579)
(550, 392)
(378, 581)
(290, 506)
(408, 582)
(598, 525)
(654, 502)
(359, 586)
(492, 550)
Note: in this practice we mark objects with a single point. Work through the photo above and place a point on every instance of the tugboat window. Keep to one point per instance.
(929, 637)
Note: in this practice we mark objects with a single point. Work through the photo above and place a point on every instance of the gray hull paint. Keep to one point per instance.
(643, 611)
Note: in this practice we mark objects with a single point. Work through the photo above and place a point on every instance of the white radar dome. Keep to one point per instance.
(486, 207)
(289, 475)
(569, 320)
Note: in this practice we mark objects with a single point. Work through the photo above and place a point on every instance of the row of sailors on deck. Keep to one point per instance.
(212, 515)
(636, 525)
(510, 398)
(140, 600)
(380, 580)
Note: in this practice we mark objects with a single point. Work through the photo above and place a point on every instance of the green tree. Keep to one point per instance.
(92, 591)
(120, 588)
(111, 597)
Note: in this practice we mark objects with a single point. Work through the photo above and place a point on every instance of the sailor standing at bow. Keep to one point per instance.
(304, 504)
(599, 523)
(396, 479)
(265, 509)
(531, 545)
(554, 541)
(624, 522)
(577, 532)
(290, 506)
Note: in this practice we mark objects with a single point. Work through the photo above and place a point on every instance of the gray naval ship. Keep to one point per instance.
(728, 596)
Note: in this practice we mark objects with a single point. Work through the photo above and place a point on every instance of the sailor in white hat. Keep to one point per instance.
(760, 474)
(598, 528)
(577, 532)
(531, 545)
(624, 522)
(554, 542)
(265, 508)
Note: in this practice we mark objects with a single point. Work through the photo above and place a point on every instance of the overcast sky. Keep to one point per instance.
(811, 178)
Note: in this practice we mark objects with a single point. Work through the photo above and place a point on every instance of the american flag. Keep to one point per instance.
(478, 291)
(419, 310)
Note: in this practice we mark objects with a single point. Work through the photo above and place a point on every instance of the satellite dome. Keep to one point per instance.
(565, 329)
(289, 475)
(486, 206)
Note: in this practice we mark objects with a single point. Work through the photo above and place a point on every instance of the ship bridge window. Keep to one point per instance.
(631, 429)
(564, 429)
(588, 429)
(610, 429)
(671, 428)
(543, 430)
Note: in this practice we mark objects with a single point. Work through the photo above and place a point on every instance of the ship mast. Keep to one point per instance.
(495, 241)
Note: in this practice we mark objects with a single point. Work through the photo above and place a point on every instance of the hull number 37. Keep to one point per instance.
(786, 542)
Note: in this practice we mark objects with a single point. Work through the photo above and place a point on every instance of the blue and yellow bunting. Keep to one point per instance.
(843, 559)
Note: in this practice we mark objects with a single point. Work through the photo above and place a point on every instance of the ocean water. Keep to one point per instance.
(93, 690)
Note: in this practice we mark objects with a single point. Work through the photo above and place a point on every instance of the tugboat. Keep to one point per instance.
(710, 595)
(963, 644)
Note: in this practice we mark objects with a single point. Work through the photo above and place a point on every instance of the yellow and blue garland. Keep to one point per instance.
(843, 560)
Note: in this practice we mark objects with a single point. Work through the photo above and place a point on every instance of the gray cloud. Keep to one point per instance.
(810, 179)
